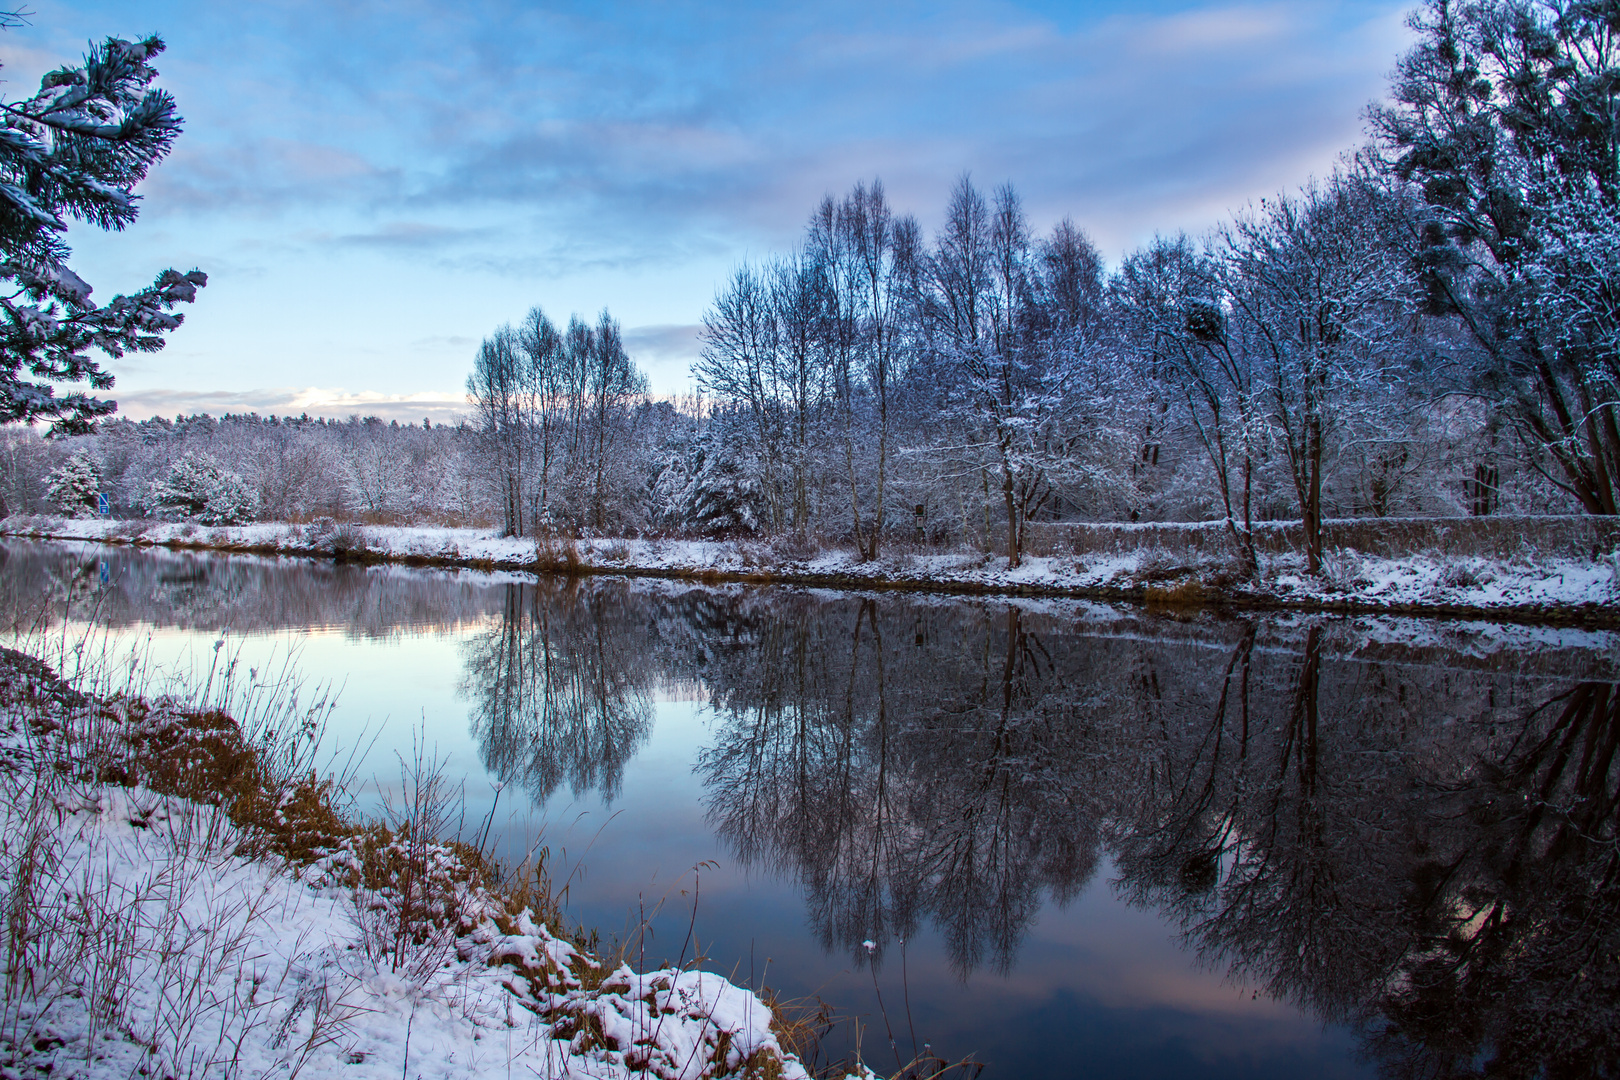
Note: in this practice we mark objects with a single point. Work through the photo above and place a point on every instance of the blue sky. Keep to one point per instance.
(373, 187)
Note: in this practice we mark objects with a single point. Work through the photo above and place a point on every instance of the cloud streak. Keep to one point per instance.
(334, 403)
(630, 127)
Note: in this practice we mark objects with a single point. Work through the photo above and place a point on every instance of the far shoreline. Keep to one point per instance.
(1544, 591)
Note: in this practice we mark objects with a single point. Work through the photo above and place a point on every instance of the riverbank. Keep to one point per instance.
(1518, 585)
(186, 897)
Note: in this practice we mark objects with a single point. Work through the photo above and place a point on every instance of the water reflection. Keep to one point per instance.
(245, 594)
(1422, 845)
(1401, 850)
(1402, 826)
(1424, 851)
(559, 683)
(910, 764)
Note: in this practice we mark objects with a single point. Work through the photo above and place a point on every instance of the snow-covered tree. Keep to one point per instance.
(1503, 117)
(199, 489)
(1318, 286)
(74, 485)
(863, 260)
(555, 413)
(1172, 319)
(378, 469)
(714, 482)
(1014, 326)
(75, 151)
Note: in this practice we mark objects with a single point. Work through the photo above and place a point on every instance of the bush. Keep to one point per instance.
(200, 489)
(74, 485)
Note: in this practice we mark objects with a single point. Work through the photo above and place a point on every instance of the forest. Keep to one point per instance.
(1430, 330)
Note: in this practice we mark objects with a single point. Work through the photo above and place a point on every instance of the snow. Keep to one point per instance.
(159, 949)
(1522, 585)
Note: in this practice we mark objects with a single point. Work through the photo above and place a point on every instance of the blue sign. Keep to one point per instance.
(103, 504)
(104, 574)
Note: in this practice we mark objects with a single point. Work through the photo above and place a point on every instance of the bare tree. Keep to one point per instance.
(499, 391)
(1317, 285)
(1174, 318)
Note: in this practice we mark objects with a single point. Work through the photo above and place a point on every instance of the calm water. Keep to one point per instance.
(1080, 840)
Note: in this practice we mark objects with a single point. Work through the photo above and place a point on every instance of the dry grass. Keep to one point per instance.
(796, 547)
(264, 776)
(1187, 592)
(80, 927)
(556, 554)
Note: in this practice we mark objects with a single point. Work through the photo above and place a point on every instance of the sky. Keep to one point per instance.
(373, 187)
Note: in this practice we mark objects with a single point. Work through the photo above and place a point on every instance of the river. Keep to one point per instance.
(1065, 838)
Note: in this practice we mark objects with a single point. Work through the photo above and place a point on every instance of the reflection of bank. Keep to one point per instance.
(245, 594)
(560, 688)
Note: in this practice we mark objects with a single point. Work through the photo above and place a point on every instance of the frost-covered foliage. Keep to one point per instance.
(1493, 117)
(73, 486)
(557, 414)
(75, 151)
(294, 468)
(198, 488)
(879, 383)
(713, 483)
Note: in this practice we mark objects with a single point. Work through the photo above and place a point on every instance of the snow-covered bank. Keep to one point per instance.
(158, 935)
(1521, 586)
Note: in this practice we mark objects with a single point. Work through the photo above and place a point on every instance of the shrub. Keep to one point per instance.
(200, 489)
(74, 485)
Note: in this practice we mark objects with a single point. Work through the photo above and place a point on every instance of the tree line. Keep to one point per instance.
(1432, 329)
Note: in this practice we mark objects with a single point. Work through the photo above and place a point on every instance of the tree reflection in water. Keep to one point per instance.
(909, 764)
(1423, 850)
(1392, 852)
(560, 688)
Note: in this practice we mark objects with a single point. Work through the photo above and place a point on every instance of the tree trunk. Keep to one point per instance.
(1014, 540)
(1312, 510)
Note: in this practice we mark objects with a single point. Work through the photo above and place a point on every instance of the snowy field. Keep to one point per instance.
(142, 940)
(1522, 585)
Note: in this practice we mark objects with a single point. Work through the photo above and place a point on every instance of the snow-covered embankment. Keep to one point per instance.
(1524, 585)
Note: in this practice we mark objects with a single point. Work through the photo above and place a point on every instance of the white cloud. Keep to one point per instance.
(334, 403)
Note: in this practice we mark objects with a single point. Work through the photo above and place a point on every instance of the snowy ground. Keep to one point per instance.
(142, 942)
(1522, 585)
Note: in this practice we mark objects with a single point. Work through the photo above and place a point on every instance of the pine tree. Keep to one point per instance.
(76, 150)
(198, 488)
(713, 485)
(74, 485)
